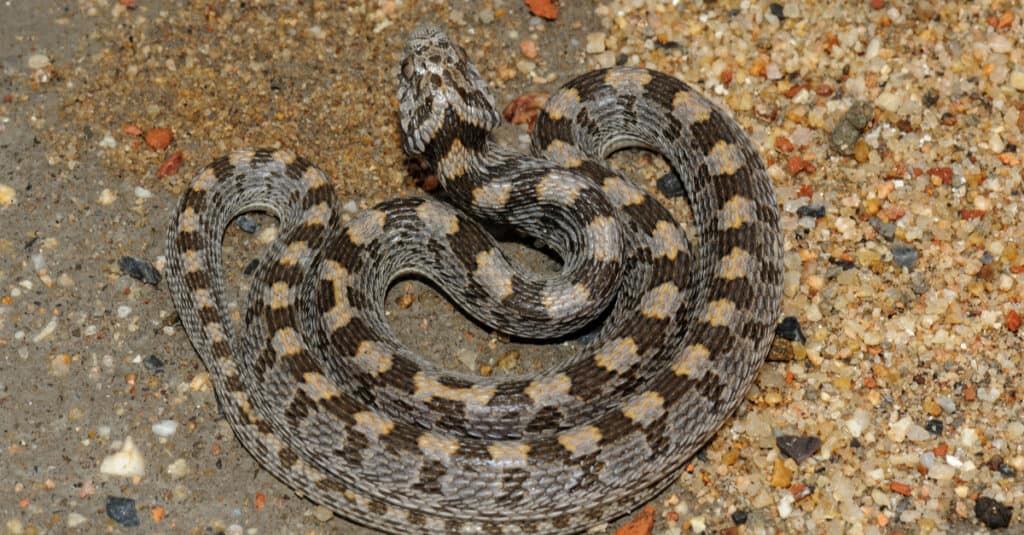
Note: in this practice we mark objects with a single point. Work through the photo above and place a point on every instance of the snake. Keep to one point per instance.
(322, 393)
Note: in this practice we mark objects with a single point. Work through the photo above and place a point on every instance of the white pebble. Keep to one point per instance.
(968, 437)
(142, 192)
(38, 61)
(127, 461)
(75, 520)
(165, 428)
(350, 207)
(1017, 80)
(108, 142)
(898, 430)
(942, 472)
(123, 311)
(595, 43)
(786, 505)
(857, 423)
(888, 101)
(107, 197)
(178, 469)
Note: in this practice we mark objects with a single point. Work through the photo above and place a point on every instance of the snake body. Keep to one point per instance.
(323, 395)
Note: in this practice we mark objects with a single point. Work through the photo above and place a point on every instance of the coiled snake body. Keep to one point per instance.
(319, 390)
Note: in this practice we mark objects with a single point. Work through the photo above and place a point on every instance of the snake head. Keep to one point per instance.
(441, 95)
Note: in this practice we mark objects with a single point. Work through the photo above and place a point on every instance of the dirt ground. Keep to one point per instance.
(90, 356)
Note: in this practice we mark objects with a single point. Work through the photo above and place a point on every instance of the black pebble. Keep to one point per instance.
(669, 185)
(621, 60)
(139, 269)
(739, 517)
(845, 264)
(930, 97)
(1004, 468)
(811, 210)
(933, 426)
(247, 224)
(854, 443)
(122, 511)
(992, 513)
(798, 448)
(789, 329)
(153, 364)
(777, 10)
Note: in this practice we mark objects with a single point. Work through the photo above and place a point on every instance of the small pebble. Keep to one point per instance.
(139, 269)
(849, 127)
(670, 185)
(38, 61)
(798, 448)
(165, 428)
(153, 364)
(789, 329)
(595, 43)
(904, 255)
(947, 404)
(811, 210)
(739, 517)
(7, 195)
(75, 520)
(934, 426)
(247, 224)
(992, 513)
(125, 462)
(122, 511)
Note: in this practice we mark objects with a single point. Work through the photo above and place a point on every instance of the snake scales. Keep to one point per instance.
(318, 389)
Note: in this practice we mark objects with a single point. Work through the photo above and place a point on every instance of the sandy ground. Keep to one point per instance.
(902, 248)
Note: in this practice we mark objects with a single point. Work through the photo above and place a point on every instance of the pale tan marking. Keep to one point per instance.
(341, 313)
(661, 302)
(454, 162)
(373, 357)
(564, 154)
(724, 159)
(442, 221)
(286, 342)
(317, 215)
(279, 295)
(645, 408)
(628, 78)
(735, 265)
(204, 299)
(372, 424)
(506, 453)
(736, 212)
(188, 220)
(561, 301)
(719, 312)
(366, 227)
(312, 178)
(241, 157)
(692, 108)
(493, 195)
(242, 402)
(564, 104)
(582, 441)
(618, 355)
(437, 447)
(691, 360)
(215, 332)
(558, 188)
(205, 180)
(318, 387)
(338, 316)
(192, 261)
(228, 366)
(474, 397)
(621, 192)
(307, 470)
(667, 240)
(294, 253)
(285, 157)
(603, 237)
(552, 390)
(493, 274)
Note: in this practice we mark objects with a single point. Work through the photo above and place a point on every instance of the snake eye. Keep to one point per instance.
(407, 68)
